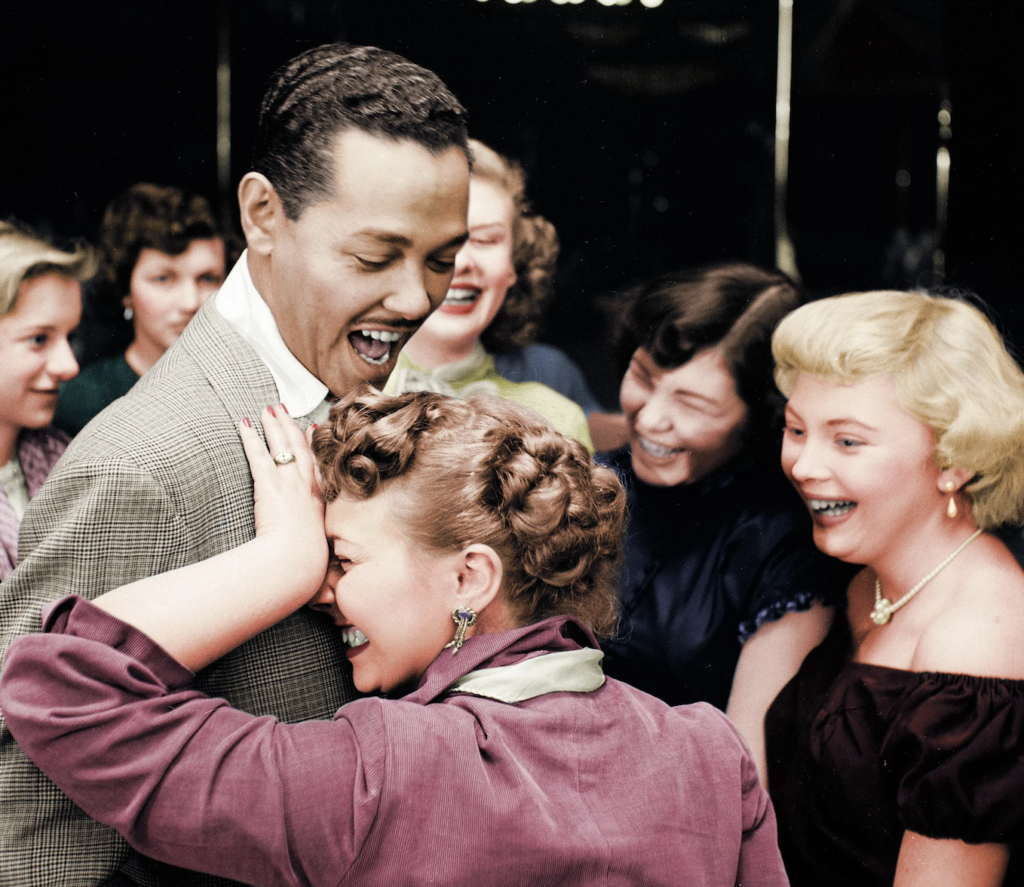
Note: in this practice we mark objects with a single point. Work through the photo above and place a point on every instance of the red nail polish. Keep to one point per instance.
(246, 422)
(316, 425)
(283, 407)
(270, 410)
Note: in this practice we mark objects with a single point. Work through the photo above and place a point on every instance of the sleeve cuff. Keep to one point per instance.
(77, 617)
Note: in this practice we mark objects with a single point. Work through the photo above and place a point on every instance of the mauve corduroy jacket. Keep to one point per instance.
(567, 788)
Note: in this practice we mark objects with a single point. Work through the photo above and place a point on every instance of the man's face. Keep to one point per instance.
(358, 273)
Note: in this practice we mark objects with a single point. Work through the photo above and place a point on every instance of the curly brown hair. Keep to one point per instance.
(534, 254)
(148, 216)
(486, 470)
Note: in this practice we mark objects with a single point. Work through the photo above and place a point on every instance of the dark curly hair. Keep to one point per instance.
(534, 254)
(486, 470)
(330, 88)
(733, 307)
(147, 216)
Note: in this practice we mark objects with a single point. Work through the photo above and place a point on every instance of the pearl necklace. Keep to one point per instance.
(884, 608)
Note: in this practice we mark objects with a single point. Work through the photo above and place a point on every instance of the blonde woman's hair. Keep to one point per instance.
(951, 370)
(534, 255)
(24, 254)
(486, 470)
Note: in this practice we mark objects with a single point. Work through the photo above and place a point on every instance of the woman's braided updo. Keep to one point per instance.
(486, 470)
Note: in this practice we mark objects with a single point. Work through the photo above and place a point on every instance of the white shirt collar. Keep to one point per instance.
(241, 305)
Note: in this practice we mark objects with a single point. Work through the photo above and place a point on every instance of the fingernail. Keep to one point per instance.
(246, 422)
(270, 410)
(316, 425)
(283, 407)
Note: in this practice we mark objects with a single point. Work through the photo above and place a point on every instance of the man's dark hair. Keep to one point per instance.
(334, 87)
(733, 307)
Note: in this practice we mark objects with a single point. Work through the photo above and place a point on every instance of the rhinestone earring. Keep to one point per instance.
(463, 617)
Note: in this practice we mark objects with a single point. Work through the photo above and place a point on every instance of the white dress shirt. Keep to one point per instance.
(241, 305)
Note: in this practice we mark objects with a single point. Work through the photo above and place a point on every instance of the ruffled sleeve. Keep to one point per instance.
(956, 749)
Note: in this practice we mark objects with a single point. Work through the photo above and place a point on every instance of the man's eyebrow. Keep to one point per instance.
(393, 239)
(388, 237)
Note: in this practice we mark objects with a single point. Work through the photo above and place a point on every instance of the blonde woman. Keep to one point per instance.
(472, 557)
(896, 754)
(481, 338)
(40, 306)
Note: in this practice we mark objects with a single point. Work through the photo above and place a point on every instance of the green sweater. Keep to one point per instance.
(476, 375)
(91, 391)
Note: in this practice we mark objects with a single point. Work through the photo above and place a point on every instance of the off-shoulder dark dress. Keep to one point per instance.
(705, 565)
(859, 753)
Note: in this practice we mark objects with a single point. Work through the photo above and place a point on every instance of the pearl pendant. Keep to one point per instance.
(882, 612)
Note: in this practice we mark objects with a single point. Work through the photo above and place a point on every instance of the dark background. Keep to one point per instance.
(647, 133)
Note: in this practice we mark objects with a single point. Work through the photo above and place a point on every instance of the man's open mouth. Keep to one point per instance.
(374, 346)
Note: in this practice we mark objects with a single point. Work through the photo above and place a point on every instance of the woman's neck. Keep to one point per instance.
(431, 353)
(140, 356)
(8, 442)
(911, 558)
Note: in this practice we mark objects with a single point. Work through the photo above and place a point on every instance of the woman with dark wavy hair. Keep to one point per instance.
(470, 560)
(481, 338)
(162, 254)
(723, 592)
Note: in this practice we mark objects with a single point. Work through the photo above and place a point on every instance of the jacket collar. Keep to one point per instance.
(557, 634)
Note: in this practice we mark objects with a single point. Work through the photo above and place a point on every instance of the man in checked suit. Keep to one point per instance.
(353, 213)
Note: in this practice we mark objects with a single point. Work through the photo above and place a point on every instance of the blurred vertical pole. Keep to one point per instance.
(942, 162)
(785, 254)
(225, 202)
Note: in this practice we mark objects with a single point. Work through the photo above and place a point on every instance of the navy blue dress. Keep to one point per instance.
(706, 564)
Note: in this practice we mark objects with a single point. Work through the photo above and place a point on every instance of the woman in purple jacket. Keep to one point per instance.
(500, 755)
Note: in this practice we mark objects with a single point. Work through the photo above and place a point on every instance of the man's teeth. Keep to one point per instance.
(656, 450)
(830, 507)
(353, 637)
(381, 335)
(376, 345)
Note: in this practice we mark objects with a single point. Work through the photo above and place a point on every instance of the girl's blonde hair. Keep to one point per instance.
(534, 255)
(24, 254)
(951, 370)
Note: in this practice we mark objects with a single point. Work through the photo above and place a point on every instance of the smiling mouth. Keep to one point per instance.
(353, 637)
(374, 346)
(656, 450)
(460, 300)
(830, 507)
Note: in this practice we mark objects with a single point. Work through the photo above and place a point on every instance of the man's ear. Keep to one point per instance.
(261, 211)
(480, 574)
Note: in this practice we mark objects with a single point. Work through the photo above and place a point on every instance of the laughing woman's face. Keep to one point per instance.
(685, 422)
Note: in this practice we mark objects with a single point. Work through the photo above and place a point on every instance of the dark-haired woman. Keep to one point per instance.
(162, 255)
(723, 592)
(472, 555)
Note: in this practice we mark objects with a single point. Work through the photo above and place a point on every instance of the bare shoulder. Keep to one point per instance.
(980, 632)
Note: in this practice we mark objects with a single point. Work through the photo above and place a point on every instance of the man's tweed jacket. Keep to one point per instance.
(158, 480)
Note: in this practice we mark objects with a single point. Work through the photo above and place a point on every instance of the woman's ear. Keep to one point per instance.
(955, 476)
(480, 575)
(261, 212)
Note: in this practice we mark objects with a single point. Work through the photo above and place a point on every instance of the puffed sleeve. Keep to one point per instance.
(112, 719)
(773, 553)
(956, 748)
